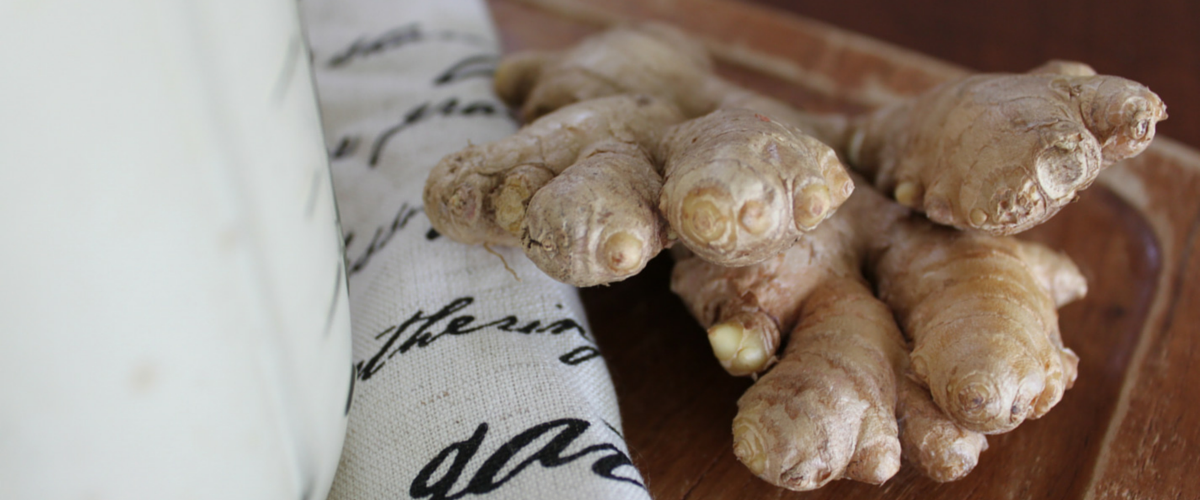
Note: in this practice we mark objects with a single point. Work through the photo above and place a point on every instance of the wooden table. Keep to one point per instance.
(1155, 42)
(1129, 429)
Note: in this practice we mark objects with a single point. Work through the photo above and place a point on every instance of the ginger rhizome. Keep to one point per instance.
(546, 189)
(740, 187)
(904, 339)
(979, 310)
(587, 190)
(998, 153)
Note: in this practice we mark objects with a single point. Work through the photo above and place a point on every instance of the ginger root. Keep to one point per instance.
(547, 188)
(981, 312)
(979, 309)
(998, 153)
(587, 190)
(904, 339)
(740, 187)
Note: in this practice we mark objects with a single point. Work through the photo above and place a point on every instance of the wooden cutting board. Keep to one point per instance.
(1130, 428)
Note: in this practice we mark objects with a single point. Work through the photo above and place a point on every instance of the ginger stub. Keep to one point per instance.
(979, 311)
(997, 153)
(588, 190)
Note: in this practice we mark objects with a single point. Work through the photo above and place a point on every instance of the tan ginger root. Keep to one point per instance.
(826, 409)
(979, 309)
(581, 189)
(998, 153)
(577, 189)
(740, 187)
(652, 59)
(934, 443)
(970, 303)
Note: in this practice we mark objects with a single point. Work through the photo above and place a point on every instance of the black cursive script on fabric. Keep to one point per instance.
(563, 433)
(448, 108)
(397, 37)
(345, 148)
(476, 66)
(448, 321)
(383, 235)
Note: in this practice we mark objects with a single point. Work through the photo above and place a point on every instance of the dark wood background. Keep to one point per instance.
(1153, 42)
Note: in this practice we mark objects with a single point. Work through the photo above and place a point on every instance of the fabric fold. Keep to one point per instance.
(471, 380)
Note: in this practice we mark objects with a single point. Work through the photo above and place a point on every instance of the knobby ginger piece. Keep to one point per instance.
(979, 309)
(587, 190)
(586, 173)
(936, 445)
(997, 153)
(826, 409)
(983, 322)
(1002, 153)
(740, 187)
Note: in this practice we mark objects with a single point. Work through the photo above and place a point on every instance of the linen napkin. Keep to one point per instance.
(470, 381)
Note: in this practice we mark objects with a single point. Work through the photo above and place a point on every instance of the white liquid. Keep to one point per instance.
(173, 319)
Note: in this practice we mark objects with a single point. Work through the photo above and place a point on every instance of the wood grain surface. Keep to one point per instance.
(1155, 42)
(1129, 429)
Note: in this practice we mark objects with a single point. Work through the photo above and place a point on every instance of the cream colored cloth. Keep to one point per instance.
(470, 382)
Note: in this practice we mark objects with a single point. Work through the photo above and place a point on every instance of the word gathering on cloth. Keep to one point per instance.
(467, 381)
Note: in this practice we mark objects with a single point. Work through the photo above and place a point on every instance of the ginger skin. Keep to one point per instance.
(592, 191)
(826, 409)
(587, 190)
(651, 59)
(1001, 153)
(546, 189)
(997, 153)
(740, 187)
(846, 363)
(1006, 308)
